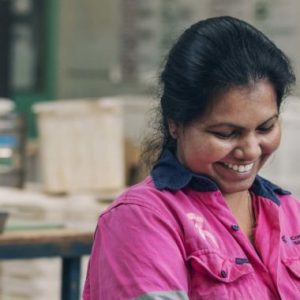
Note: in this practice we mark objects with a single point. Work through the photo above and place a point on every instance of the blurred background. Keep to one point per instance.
(78, 82)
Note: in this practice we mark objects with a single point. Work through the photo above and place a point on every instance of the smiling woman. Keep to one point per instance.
(204, 224)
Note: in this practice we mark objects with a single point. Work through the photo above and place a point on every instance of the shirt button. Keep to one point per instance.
(223, 274)
(235, 227)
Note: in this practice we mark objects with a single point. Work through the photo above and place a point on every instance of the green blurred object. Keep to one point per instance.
(33, 54)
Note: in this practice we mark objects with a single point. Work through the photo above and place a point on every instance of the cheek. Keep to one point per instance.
(212, 150)
(273, 141)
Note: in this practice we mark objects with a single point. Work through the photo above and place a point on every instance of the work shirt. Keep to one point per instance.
(173, 236)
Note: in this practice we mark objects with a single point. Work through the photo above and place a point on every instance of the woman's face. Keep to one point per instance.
(232, 141)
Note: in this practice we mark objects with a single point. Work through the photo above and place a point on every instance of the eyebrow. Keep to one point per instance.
(228, 124)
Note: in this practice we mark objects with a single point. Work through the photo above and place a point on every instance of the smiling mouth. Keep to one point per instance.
(239, 168)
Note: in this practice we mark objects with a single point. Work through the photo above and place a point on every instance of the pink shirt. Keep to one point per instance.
(159, 243)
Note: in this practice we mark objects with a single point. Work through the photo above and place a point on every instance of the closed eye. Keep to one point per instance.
(268, 125)
(224, 135)
(265, 129)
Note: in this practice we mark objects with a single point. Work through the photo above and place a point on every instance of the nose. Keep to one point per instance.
(248, 148)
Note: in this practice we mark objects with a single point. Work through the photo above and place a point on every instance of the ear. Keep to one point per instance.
(173, 128)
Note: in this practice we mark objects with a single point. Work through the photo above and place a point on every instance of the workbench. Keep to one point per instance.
(68, 244)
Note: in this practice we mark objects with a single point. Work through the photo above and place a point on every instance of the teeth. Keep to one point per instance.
(239, 168)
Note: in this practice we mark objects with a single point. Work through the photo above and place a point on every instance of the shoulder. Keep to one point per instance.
(142, 202)
(139, 217)
(146, 195)
(143, 195)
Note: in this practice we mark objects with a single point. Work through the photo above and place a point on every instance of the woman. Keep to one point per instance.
(204, 225)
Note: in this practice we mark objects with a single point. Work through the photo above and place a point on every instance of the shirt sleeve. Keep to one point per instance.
(137, 254)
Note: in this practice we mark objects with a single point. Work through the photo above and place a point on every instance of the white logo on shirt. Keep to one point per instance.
(198, 222)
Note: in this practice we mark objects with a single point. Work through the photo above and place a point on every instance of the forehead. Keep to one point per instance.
(257, 101)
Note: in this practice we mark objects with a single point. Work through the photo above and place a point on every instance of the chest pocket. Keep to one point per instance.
(214, 276)
(293, 267)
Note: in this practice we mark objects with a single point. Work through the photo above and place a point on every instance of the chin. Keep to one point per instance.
(232, 188)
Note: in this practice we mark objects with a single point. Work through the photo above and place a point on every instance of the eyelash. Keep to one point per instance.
(262, 130)
(224, 136)
(266, 129)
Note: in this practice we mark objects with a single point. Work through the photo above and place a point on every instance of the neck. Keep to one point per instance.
(240, 205)
(237, 199)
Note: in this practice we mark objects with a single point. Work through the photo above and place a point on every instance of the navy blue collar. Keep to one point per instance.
(169, 174)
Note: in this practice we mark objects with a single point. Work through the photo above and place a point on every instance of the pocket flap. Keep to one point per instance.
(220, 267)
(293, 264)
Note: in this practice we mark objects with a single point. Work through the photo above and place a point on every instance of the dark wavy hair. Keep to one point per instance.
(209, 58)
